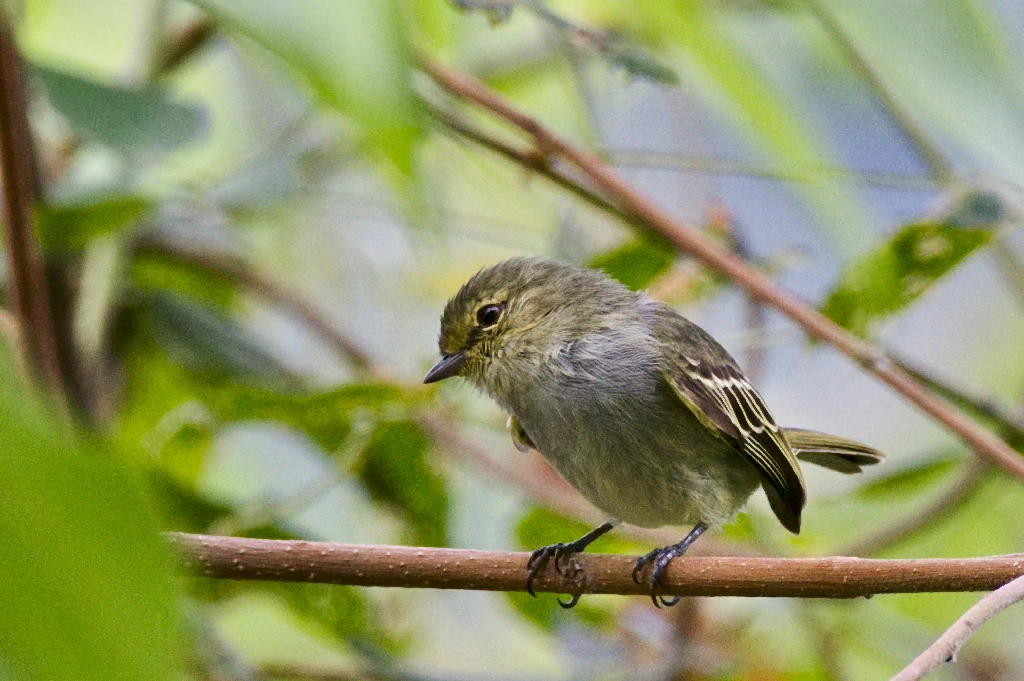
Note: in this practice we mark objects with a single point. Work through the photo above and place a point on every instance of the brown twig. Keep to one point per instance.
(690, 240)
(184, 44)
(1009, 426)
(28, 286)
(946, 648)
(440, 568)
(527, 158)
(238, 271)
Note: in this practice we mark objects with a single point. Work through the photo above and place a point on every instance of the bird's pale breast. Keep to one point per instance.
(604, 417)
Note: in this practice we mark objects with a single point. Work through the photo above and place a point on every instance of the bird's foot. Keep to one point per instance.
(659, 559)
(565, 565)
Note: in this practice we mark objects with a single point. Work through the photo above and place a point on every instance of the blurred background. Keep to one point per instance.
(252, 215)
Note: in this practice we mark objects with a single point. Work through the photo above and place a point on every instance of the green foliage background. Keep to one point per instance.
(262, 237)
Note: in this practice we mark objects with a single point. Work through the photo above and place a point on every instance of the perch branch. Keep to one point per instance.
(946, 648)
(435, 568)
(692, 242)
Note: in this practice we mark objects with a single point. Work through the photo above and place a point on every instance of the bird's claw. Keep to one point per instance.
(660, 559)
(563, 555)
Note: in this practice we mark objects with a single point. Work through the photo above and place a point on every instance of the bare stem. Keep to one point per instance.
(28, 285)
(689, 240)
(442, 568)
(238, 271)
(946, 648)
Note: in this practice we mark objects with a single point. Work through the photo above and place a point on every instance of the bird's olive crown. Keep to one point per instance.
(532, 300)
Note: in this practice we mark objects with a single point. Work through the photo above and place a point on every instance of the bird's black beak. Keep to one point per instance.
(447, 367)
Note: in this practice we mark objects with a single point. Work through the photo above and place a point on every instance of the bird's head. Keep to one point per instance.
(520, 313)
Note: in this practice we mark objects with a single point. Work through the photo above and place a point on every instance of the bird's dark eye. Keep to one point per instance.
(488, 315)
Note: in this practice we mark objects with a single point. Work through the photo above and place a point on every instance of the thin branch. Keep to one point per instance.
(1008, 425)
(184, 44)
(238, 271)
(529, 159)
(442, 568)
(689, 240)
(946, 648)
(932, 156)
(28, 286)
(942, 506)
(723, 166)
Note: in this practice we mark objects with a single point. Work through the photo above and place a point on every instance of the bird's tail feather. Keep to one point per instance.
(832, 452)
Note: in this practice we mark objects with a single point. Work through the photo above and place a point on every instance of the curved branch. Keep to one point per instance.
(691, 241)
(239, 272)
(436, 568)
(946, 648)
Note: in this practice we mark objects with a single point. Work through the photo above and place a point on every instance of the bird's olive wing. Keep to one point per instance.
(722, 399)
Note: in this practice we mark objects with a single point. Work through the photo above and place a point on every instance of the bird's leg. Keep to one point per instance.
(562, 553)
(660, 559)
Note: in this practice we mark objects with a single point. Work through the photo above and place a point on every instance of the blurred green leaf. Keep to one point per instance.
(637, 263)
(741, 529)
(395, 471)
(639, 62)
(127, 119)
(894, 275)
(323, 416)
(86, 585)
(184, 509)
(545, 612)
(978, 208)
(907, 481)
(341, 612)
(157, 271)
(355, 54)
(71, 226)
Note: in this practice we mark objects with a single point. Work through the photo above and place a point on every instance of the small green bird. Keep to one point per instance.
(637, 407)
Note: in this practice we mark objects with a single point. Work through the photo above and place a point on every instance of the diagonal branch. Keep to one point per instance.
(946, 648)
(692, 242)
(239, 272)
(437, 568)
(28, 286)
(938, 165)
